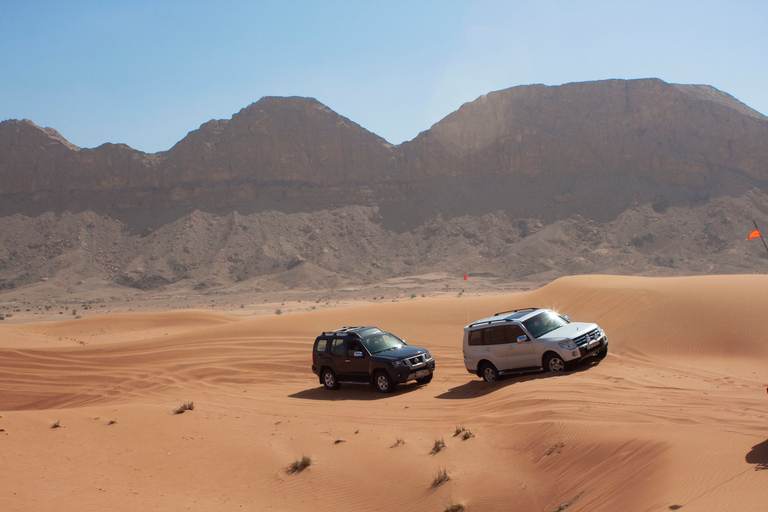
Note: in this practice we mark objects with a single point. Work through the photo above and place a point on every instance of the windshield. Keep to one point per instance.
(382, 342)
(543, 323)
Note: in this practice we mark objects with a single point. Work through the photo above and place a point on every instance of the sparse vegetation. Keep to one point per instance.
(439, 445)
(467, 434)
(398, 442)
(188, 406)
(452, 506)
(300, 465)
(278, 311)
(111, 422)
(459, 430)
(440, 478)
(57, 424)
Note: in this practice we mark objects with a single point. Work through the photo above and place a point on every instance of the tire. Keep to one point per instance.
(383, 383)
(329, 379)
(554, 364)
(600, 354)
(489, 373)
(425, 380)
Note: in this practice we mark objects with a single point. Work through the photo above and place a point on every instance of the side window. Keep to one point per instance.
(496, 335)
(513, 331)
(353, 347)
(321, 344)
(337, 347)
(475, 337)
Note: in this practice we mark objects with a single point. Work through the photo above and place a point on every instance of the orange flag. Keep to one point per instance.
(465, 277)
(754, 234)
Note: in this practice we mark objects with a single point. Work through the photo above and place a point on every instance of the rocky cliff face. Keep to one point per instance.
(532, 151)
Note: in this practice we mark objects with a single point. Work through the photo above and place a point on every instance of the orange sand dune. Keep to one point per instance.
(676, 417)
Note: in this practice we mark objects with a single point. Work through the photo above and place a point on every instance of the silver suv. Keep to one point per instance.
(529, 339)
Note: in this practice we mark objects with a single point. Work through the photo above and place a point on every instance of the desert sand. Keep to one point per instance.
(676, 417)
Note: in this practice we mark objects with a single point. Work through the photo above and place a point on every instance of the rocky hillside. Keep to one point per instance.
(528, 183)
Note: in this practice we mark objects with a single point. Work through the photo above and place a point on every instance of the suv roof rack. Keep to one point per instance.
(516, 310)
(488, 322)
(344, 330)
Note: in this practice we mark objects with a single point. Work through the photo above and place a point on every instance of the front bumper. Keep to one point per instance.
(401, 375)
(589, 351)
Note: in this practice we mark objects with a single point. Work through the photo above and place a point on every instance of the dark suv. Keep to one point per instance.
(368, 355)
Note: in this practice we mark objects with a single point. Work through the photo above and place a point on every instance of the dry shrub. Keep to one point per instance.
(440, 478)
(189, 406)
(300, 465)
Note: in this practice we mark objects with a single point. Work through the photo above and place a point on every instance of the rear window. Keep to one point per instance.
(320, 345)
(475, 337)
(337, 347)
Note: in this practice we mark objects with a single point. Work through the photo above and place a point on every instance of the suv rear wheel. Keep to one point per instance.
(554, 363)
(489, 373)
(383, 383)
(329, 380)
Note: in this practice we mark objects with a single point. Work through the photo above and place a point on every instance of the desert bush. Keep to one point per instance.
(278, 311)
(452, 506)
(300, 465)
(440, 478)
(439, 445)
(189, 406)
(57, 424)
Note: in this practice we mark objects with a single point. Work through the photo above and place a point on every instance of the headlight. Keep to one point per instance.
(427, 357)
(568, 344)
(397, 364)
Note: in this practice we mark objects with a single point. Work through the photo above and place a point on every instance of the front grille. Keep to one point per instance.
(584, 339)
(416, 360)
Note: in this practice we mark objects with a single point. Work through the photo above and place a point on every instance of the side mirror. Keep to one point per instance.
(357, 353)
(522, 338)
(566, 318)
(404, 343)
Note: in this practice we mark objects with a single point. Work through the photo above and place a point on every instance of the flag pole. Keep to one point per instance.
(761, 235)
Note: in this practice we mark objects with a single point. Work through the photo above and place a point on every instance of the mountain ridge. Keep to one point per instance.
(534, 159)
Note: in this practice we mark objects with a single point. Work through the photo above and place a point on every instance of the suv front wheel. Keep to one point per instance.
(383, 383)
(554, 363)
(329, 380)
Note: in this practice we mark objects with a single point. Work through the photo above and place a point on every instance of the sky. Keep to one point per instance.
(146, 73)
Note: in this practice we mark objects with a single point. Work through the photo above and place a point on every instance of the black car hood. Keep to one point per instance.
(403, 352)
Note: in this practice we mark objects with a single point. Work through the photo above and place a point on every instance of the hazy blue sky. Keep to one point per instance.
(145, 73)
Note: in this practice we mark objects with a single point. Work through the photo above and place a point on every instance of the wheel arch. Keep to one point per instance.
(480, 364)
(548, 353)
(322, 369)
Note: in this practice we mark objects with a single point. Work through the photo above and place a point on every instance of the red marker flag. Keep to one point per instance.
(465, 276)
(754, 234)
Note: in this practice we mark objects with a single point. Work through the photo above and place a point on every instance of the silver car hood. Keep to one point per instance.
(570, 331)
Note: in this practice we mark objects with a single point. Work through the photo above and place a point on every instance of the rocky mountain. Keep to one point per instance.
(526, 182)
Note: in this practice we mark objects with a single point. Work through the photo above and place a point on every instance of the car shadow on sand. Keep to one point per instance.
(759, 456)
(478, 387)
(357, 392)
